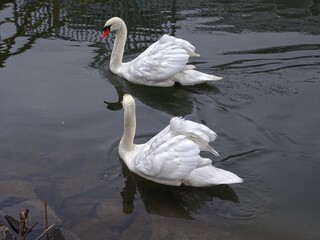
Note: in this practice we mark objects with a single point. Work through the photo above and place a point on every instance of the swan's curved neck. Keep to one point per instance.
(118, 48)
(126, 142)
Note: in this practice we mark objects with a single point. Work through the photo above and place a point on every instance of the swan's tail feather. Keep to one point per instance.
(210, 175)
(203, 145)
(213, 151)
(221, 176)
(193, 54)
(192, 77)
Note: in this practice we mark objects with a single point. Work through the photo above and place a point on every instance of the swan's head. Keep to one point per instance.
(113, 24)
(128, 102)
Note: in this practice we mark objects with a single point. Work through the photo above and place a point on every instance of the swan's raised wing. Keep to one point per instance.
(169, 157)
(174, 41)
(160, 61)
(198, 133)
(186, 127)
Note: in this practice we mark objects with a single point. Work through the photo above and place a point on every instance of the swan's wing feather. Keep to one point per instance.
(188, 127)
(162, 60)
(169, 157)
(165, 39)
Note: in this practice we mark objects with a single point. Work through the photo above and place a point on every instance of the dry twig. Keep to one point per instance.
(45, 231)
(46, 218)
(29, 230)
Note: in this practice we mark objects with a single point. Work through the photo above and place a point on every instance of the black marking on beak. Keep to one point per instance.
(106, 27)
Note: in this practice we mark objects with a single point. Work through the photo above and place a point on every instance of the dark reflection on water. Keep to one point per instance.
(59, 139)
(171, 100)
(176, 100)
(170, 201)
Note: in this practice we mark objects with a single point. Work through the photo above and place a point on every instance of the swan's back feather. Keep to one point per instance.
(168, 157)
(174, 152)
(159, 62)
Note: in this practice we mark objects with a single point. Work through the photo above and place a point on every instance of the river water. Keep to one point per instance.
(61, 118)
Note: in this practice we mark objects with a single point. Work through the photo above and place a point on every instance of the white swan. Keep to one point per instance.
(162, 64)
(172, 156)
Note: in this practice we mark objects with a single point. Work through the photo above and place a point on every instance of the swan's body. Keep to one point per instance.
(162, 64)
(172, 156)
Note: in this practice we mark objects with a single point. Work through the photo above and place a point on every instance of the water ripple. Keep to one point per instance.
(277, 49)
(242, 154)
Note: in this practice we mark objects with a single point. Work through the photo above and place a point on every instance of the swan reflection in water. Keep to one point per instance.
(169, 201)
(176, 100)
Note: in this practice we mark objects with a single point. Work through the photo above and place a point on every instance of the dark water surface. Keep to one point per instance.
(61, 120)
